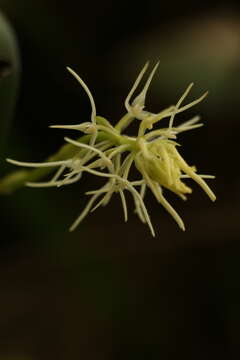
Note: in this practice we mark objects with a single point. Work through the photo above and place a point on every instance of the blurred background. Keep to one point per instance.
(109, 290)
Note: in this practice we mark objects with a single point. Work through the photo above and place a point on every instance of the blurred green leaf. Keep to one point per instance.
(9, 76)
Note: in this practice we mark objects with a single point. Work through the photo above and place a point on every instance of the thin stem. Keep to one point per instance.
(17, 179)
(124, 122)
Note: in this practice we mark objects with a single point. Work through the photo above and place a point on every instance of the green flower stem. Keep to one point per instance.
(17, 179)
(124, 122)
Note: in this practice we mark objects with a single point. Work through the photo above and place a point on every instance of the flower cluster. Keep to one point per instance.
(107, 152)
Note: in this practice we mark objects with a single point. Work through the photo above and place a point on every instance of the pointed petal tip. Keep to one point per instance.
(71, 71)
(54, 126)
(11, 161)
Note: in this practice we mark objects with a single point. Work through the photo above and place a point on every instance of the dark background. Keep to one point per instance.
(109, 290)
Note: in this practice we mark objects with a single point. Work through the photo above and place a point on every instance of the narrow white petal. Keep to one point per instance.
(140, 99)
(202, 176)
(82, 83)
(58, 173)
(178, 105)
(89, 147)
(195, 102)
(188, 170)
(192, 121)
(106, 198)
(124, 204)
(84, 212)
(168, 207)
(143, 207)
(35, 164)
(134, 87)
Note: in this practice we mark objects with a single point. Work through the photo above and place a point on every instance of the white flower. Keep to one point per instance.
(105, 152)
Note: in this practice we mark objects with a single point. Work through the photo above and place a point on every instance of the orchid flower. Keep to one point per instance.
(106, 152)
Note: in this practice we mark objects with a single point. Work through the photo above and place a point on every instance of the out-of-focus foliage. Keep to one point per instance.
(9, 77)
